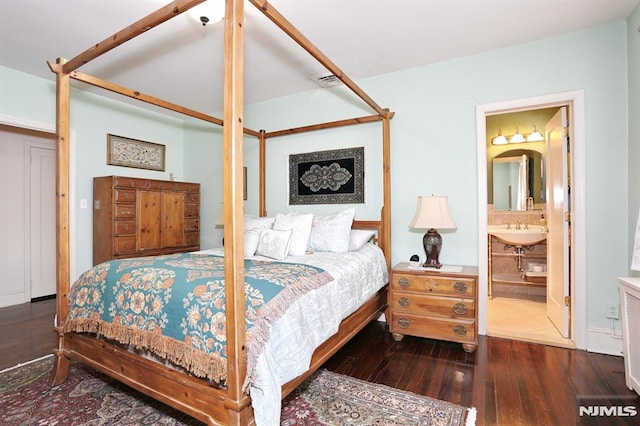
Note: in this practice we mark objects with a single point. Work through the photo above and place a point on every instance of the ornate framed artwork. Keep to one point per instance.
(327, 177)
(127, 152)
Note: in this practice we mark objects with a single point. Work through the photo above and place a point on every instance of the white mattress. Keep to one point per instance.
(312, 319)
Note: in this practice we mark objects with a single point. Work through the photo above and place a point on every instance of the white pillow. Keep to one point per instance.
(257, 222)
(251, 239)
(274, 243)
(300, 224)
(331, 232)
(359, 237)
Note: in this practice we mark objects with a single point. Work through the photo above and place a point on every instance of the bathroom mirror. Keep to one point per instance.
(517, 175)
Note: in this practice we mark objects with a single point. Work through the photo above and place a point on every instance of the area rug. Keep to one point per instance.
(90, 398)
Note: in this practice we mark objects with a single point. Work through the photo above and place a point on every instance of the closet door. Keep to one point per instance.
(42, 221)
(149, 217)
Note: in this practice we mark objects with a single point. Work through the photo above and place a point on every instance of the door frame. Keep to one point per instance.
(51, 128)
(575, 100)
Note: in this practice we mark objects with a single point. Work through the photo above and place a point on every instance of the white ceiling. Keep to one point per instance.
(181, 61)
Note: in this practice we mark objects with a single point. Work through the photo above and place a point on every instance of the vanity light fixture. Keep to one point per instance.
(499, 140)
(432, 213)
(517, 138)
(535, 136)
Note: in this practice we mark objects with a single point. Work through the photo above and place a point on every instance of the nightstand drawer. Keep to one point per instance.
(455, 330)
(436, 285)
(447, 307)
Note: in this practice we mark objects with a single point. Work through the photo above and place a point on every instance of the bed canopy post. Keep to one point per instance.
(63, 87)
(233, 211)
(386, 184)
(263, 174)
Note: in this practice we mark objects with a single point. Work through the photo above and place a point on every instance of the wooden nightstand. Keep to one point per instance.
(434, 304)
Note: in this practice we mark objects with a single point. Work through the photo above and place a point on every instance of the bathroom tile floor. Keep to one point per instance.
(523, 319)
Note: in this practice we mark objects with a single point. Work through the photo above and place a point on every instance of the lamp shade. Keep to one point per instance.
(432, 212)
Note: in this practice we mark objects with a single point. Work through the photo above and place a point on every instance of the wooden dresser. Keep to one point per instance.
(135, 217)
(434, 304)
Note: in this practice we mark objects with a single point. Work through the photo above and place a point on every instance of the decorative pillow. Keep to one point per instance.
(359, 237)
(331, 232)
(274, 243)
(251, 239)
(257, 222)
(300, 224)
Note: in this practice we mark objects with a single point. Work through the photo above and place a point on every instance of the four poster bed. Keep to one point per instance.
(225, 395)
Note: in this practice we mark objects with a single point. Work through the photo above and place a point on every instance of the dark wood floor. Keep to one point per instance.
(510, 383)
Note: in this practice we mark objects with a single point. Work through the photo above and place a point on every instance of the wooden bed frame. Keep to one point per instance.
(194, 396)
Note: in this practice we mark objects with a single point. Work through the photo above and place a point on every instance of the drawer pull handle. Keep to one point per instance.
(126, 245)
(126, 227)
(460, 308)
(403, 322)
(403, 282)
(460, 330)
(403, 301)
(460, 287)
(432, 285)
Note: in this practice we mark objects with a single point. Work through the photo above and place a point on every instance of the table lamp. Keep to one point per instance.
(432, 213)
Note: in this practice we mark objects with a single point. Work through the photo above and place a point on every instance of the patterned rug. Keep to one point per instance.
(90, 398)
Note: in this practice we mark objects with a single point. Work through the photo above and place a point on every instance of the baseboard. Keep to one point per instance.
(600, 340)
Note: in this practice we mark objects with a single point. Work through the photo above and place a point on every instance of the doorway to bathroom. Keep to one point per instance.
(534, 290)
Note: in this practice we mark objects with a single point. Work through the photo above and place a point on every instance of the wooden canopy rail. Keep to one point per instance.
(180, 390)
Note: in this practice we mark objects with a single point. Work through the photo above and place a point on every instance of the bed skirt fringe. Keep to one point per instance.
(198, 363)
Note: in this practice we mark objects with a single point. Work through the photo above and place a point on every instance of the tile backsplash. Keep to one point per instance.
(532, 217)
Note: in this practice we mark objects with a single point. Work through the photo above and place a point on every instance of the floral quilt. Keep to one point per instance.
(174, 305)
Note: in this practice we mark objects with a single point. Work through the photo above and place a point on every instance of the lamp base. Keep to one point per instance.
(432, 242)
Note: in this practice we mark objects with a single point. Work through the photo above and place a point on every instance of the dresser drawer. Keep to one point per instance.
(124, 211)
(128, 182)
(192, 238)
(191, 224)
(191, 211)
(441, 306)
(454, 330)
(125, 195)
(125, 244)
(125, 227)
(192, 198)
(435, 285)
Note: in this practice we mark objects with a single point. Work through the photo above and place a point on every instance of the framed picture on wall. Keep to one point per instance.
(327, 177)
(127, 152)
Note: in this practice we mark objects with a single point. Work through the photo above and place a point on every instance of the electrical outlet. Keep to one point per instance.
(612, 311)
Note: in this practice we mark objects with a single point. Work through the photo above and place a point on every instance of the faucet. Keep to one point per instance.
(518, 225)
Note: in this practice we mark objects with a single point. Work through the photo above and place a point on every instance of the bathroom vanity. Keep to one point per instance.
(517, 256)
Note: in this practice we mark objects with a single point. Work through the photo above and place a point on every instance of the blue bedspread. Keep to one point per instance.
(174, 305)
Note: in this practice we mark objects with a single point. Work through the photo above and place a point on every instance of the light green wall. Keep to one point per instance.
(92, 117)
(633, 46)
(433, 142)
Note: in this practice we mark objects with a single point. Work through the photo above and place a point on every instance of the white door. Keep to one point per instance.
(42, 196)
(13, 216)
(558, 244)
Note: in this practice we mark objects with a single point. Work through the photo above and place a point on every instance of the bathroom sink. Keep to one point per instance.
(518, 237)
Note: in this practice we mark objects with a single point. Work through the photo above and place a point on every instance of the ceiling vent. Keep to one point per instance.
(326, 80)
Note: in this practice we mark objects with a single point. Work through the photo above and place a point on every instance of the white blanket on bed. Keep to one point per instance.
(311, 320)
